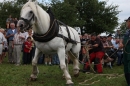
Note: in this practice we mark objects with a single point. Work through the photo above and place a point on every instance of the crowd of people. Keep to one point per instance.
(17, 44)
(107, 50)
(103, 50)
(21, 44)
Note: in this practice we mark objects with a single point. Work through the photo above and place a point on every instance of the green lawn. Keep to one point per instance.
(11, 75)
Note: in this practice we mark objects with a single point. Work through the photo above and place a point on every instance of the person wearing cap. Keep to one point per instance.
(96, 54)
(111, 51)
(126, 53)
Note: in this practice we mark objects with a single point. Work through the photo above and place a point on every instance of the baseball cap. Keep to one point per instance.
(127, 19)
(110, 35)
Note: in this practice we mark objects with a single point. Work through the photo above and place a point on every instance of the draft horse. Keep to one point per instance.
(50, 37)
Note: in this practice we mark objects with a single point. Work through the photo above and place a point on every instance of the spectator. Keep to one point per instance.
(47, 59)
(9, 19)
(32, 52)
(120, 54)
(106, 48)
(41, 59)
(7, 25)
(2, 39)
(15, 21)
(111, 51)
(17, 46)
(118, 34)
(5, 44)
(55, 59)
(26, 51)
(10, 36)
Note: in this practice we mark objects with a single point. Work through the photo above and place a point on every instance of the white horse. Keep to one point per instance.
(50, 38)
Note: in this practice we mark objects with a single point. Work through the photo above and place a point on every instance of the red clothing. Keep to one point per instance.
(27, 46)
(96, 49)
(96, 55)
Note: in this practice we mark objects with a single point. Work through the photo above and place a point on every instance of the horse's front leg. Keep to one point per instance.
(35, 70)
(61, 54)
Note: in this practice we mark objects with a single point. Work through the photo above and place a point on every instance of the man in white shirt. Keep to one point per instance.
(18, 40)
(2, 39)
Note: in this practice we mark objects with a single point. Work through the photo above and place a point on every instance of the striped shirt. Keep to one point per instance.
(17, 39)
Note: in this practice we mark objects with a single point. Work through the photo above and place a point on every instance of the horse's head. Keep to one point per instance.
(27, 16)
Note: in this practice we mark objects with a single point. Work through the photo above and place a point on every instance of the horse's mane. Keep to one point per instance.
(50, 14)
(33, 7)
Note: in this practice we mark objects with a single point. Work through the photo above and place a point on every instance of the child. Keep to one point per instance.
(26, 51)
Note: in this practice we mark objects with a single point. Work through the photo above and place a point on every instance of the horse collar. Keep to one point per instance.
(50, 34)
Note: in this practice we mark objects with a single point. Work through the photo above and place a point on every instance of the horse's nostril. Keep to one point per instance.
(21, 25)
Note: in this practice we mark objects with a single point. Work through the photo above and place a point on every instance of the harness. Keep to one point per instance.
(28, 25)
(52, 32)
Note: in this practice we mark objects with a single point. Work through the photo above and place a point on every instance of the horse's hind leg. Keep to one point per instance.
(73, 57)
(61, 54)
(35, 70)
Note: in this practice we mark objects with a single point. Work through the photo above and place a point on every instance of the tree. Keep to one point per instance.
(123, 27)
(64, 12)
(8, 8)
(92, 15)
(97, 16)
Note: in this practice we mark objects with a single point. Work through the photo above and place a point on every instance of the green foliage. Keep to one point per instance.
(123, 27)
(92, 15)
(8, 8)
(64, 12)
(98, 17)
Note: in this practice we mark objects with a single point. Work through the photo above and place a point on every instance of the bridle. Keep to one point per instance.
(27, 21)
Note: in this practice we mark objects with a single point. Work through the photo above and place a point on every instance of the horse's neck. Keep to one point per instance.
(43, 21)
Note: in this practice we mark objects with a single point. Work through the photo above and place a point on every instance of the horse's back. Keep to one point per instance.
(73, 33)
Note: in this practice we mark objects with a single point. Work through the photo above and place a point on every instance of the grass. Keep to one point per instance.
(11, 75)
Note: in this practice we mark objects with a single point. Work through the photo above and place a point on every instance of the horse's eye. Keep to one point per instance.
(31, 12)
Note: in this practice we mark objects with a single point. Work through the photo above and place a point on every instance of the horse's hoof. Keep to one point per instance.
(76, 75)
(70, 84)
(32, 79)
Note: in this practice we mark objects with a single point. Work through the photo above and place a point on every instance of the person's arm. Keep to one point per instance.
(13, 42)
(96, 44)
(22, 37)
(121, 44)
(9, 35)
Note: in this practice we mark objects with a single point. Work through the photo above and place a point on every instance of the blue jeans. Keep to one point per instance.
(120, 56)
(55, 59)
